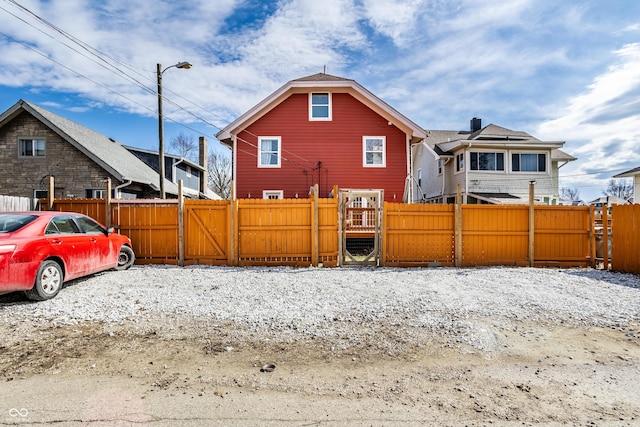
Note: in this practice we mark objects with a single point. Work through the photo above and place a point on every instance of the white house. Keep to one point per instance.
(635, 174)
(492, 165)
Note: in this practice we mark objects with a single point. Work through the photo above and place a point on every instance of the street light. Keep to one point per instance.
(159, 72)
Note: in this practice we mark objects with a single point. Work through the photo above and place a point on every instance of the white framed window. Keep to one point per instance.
(31, 147)
(485, 161)
(320, 106)
(374, 151)
(269, 152)
(440, 166)
(91, 193)
(529, 162)
(272, 194)
(419, 177)
(460, 162)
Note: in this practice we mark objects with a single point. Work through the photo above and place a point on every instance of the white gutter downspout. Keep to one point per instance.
(466, 173)
(234, 162)
(174, 168)
(444, 176)
(117, 189)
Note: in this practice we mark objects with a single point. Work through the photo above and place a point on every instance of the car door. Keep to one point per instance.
(68, 242)
(103, 251)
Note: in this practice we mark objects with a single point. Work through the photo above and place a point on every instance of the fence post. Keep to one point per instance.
(605, 236)
(315, 245)
(107, 203)
(532, 230)
(458, 228)
(180, 224)
(233, 230)
(592, 235)
(51, 195)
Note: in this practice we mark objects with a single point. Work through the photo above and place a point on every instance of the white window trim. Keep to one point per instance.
(32, 139)
(547, 162)
(464, 162)
(267, 193)
(279, 139)
(384, 152)
(440, 167)
(330, 112)
(504, 161)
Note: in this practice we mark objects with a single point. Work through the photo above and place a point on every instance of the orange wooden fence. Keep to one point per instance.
(490, 235)
(304, 232)
(416, 235)
(625, 244)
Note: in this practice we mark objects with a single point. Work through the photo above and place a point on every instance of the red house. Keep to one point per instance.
(323, 130)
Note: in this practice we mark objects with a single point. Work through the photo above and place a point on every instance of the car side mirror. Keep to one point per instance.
(110, 230)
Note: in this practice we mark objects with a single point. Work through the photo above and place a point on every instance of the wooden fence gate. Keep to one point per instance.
(360, 227)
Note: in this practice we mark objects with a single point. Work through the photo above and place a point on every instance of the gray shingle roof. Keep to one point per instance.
(322, 77)
(106, 152)
(444, 142)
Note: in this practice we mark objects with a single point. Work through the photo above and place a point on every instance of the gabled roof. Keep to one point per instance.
(179, 159)
(628, 174)
(320, 82)
(104, 151)
(492, 131)
(490, 136)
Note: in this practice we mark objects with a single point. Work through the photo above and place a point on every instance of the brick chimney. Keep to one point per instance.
(476, 124)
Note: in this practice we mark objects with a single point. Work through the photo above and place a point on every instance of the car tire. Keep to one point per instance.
(48, 283)
(126, 258)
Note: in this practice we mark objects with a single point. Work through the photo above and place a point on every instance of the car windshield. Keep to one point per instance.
(12, 222)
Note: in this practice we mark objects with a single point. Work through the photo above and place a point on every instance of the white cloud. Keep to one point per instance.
(602, 124)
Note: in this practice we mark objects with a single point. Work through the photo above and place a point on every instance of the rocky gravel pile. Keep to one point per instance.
(326, 303)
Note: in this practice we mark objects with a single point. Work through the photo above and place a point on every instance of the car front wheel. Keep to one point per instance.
(126, 258)
(48, 282)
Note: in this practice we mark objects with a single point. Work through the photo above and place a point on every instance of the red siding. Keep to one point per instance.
(336, 144)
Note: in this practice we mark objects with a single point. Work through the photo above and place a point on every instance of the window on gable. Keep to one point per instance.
(487, 161)
(373, 151)
(529, 162)
(269, 152)
(440, 166)
(460, 162)
(320, 106)
(32, 147)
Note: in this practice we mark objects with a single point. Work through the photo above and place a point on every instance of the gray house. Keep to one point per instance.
(177, 168)
(36, 144)
(491, 164)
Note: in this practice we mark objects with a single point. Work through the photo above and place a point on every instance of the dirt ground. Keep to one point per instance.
(200, 374)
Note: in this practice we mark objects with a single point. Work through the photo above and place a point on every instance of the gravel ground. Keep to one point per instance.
(170, 346)
(325, 302)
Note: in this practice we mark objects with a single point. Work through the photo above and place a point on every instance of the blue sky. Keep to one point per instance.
(560, 70)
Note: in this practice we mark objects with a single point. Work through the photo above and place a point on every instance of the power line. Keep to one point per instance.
(112, 68)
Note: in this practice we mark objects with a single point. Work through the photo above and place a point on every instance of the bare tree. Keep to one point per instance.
(185, 146)
(219, 165)
(622, 188)
(572, 194)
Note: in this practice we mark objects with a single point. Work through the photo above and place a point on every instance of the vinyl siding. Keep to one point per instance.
(337, 144)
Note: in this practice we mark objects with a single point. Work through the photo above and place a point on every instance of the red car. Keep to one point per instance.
(39, 251)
